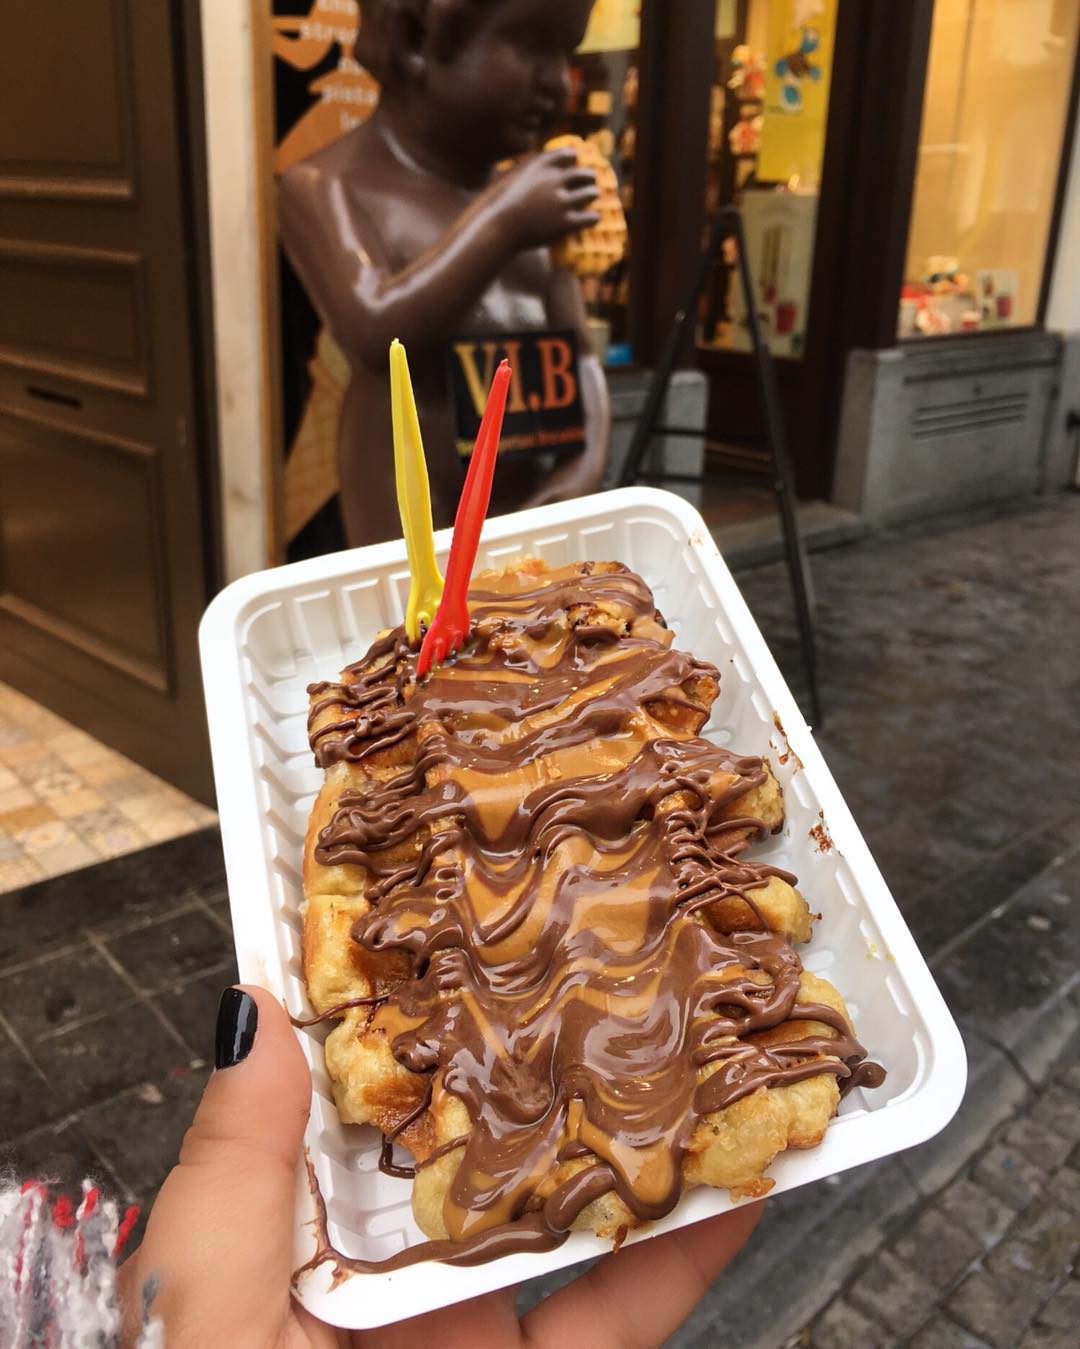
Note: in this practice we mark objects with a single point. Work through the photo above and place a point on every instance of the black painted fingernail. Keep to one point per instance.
(237, 1019)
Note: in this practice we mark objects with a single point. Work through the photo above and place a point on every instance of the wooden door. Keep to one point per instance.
(104, 564)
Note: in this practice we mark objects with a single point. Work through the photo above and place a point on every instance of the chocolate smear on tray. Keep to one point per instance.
(572, 830)
(533, 1233)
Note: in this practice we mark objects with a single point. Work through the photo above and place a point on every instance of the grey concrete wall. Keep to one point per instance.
(927, 428)
(686, 405)
(1062, 464)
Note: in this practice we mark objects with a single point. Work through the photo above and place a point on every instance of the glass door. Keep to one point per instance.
(766, 145)
(603, 110)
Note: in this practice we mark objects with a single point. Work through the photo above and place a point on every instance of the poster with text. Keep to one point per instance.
(320, 93)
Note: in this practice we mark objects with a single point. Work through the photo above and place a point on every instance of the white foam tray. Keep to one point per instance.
(266, 636)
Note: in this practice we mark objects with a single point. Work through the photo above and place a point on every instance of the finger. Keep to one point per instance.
(220, 1233)
(641, 1294)
(581, 220)
(580, 177)
(485, 1322)
(580, 197)
(565, 156)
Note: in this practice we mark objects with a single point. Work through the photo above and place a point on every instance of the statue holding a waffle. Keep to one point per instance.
(441, 221)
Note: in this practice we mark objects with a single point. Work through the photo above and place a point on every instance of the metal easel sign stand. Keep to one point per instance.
(729, 224)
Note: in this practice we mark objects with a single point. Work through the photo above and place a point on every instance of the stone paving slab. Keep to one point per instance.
(105, 1020)
(988, 1261)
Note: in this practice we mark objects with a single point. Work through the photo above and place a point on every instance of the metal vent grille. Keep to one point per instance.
(970, 414)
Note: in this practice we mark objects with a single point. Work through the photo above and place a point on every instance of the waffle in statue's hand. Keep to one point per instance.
(592, 251)
(572, 992)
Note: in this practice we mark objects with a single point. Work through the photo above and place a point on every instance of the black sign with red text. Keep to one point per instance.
(544, 408)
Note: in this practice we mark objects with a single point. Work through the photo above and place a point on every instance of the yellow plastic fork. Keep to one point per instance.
(414, 497)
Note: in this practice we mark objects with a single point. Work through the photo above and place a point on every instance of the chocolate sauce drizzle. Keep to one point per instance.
(548, 853)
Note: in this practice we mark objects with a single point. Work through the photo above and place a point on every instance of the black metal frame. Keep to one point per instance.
(729, 224)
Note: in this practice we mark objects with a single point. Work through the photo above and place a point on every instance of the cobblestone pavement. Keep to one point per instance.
(109, 982)
(951, 684)
(988, 1261)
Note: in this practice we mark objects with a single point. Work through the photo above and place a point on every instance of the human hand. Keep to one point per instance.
(220, 1233)
(577, 477)
(547, 196)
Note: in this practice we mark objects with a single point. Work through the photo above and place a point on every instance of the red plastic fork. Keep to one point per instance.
(450, 626)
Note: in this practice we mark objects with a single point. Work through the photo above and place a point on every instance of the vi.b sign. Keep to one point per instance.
(544, 409)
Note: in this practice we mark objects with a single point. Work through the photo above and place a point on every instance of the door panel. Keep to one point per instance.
(105, 490)
(103, 520)
(61, 138)
(73, 307)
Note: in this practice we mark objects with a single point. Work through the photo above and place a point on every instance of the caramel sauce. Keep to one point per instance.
(567, 985)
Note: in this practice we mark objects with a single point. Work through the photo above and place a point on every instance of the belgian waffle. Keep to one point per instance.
(561, 981)
(591, 252)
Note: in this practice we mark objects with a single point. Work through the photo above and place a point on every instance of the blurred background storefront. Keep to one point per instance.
(963, 393)
(168, 401)
(901, 170)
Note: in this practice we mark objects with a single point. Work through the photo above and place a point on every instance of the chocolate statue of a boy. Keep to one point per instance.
(405, 227)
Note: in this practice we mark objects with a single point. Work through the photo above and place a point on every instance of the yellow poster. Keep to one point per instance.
(798, 63)
(615, 26)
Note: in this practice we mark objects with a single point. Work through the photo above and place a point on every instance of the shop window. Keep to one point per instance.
(766, 145)
(998, 86)
(603, 109)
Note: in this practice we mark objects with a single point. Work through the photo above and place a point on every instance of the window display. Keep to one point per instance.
(603, 111)
(997, 91)
(765, 149)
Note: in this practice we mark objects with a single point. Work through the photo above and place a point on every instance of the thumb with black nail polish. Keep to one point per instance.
(220, 1234)
(238, 1019)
